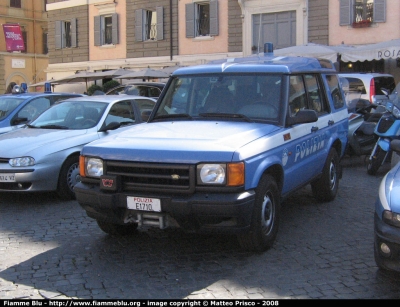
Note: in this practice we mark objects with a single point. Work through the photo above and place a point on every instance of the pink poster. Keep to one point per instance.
(14, 40)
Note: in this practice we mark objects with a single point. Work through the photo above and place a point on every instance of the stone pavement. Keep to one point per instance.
(51, 249)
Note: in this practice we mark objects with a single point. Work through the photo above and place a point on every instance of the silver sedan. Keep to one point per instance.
(44, 155)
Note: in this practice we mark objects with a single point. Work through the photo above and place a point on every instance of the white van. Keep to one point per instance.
(368, 84)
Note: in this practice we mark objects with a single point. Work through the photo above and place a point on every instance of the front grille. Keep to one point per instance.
(4, 160)
(385, 124)
(154, 177)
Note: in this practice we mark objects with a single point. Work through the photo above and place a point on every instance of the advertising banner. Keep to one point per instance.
(13, 36)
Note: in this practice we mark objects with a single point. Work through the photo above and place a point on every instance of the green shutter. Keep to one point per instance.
(139, 25)
(97, 30)
(190, 19)
(115, 29)
(160, 22)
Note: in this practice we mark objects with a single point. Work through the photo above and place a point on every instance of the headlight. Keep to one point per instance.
(391, 218)
(396, 112)
(92, 167)
(22, 161)
(228, 174)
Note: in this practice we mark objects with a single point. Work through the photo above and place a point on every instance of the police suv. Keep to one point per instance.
(225, 144)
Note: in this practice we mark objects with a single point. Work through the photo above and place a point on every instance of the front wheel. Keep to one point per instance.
(69, 177)
(375, 161)
(325, 188)
(265, 217)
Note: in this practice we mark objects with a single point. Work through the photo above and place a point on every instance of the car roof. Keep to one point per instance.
(266, 62)
(361, 74)
(41, 94)
(109, 98)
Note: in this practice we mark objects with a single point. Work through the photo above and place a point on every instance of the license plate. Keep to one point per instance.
(144, 204)
(7, 177)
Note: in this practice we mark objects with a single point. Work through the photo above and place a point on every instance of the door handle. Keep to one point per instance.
(314, 129)
(331, 122)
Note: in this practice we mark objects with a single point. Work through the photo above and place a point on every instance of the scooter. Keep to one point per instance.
(363, 118)
(387, 129)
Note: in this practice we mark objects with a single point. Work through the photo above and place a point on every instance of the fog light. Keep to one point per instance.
(385, 249)
(20, 185)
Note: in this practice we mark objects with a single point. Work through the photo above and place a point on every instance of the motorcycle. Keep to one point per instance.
(387, 129)
(363, 118)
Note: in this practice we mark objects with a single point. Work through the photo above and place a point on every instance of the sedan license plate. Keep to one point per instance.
(7, 177)
(144, 204)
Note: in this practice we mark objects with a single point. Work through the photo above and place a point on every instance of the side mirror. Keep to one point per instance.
(302, 117)
(19, 121)
(110, 126)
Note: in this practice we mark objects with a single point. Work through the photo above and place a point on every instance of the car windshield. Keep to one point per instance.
(8, 104)
(227, 96)
(71, 115)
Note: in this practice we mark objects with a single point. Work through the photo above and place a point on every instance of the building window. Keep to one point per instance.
(202, 19)
(106, 30)
(361, 13)
(66, 34)
(45, 47)
(15, 3)
(149, 25)
(25, 38)
(44, 5)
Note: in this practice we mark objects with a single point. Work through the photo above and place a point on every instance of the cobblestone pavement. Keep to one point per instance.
(51, 249)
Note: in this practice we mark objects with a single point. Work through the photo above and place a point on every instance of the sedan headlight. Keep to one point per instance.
(22, 161)
(391, 218)
(222, 174)
(92, 167)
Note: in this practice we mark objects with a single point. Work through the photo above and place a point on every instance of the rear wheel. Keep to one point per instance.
(375, 161)
(325, 188)
(265, 217)
(117, 229)
(69, 177)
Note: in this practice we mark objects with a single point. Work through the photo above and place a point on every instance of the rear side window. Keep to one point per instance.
(384, 82)
(335, 91)
(356, 85)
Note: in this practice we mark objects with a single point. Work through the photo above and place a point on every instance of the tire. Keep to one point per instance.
(325, 188)
(116, 229)
(69, 176)
(265, 217)
(375, 161)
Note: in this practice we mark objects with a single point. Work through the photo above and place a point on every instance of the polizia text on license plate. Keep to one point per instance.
(143, 203)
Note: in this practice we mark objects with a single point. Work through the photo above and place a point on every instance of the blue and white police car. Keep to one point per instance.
(225, 144)
(21, 106)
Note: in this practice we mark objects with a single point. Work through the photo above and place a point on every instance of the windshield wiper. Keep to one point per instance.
(52, 127)
(31, 126)
(226, 115)
(179, 115)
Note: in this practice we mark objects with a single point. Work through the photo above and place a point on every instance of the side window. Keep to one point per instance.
(121, 112)
(65, 34)
(106, 30)
(297, 95)
(336, 93)
(149, 25)
(315, 98)
(34, 108)
(145, 107)
(202, 19)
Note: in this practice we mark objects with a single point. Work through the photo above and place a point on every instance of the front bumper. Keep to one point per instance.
(198, 212)
(389, 235)
(41, 177)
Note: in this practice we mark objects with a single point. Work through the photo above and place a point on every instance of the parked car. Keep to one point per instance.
(387, 219)
(46, 158)
(147, 89)
(226, 143)
(20, 107)
(369, 85)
